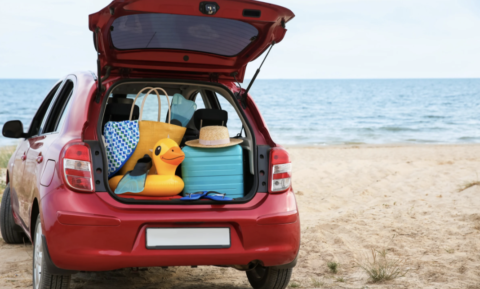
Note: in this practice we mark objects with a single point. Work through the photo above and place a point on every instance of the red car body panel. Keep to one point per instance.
(96, 232)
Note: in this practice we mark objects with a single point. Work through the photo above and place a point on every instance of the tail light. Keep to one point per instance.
(77, 167)
(281, 170)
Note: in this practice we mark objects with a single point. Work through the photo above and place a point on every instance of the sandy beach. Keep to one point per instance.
(416, 202)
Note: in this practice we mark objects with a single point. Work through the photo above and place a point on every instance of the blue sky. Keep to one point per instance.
(328, 39)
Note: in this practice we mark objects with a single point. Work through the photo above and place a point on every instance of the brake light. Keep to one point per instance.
(77, 167)
(281, 170)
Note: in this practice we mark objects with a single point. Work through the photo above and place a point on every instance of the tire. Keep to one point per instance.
(42, 278)
(269, 278)
(11, 232)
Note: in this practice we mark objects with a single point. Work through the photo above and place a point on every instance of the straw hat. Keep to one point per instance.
(213, 137)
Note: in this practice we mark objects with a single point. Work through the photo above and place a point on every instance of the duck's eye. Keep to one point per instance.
(158, 150)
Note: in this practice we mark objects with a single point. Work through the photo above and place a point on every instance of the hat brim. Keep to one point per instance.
(196, 143)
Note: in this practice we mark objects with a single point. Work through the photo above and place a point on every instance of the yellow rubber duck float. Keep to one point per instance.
(166, 156)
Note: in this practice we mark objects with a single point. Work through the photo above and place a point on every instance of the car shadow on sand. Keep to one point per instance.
(16, 272)
(154, 278)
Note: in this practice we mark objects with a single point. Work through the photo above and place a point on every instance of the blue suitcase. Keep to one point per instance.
(213, 169)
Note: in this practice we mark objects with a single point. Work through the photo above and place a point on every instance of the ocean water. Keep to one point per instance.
(328, 112)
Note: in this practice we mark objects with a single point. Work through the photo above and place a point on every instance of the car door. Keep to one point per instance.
(18, 182)
(41, 143)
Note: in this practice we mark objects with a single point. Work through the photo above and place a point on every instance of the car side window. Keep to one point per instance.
(57, 113)
(234, 122)
(199, 101)
(36, 123)
(64, 113)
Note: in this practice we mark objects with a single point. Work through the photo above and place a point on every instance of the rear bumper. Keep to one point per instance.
(93, 232)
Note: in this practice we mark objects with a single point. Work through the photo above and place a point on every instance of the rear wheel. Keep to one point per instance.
(269, 278)
(42, 278)
(11, 232)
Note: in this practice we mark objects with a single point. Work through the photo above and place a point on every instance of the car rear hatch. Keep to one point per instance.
(211, 39)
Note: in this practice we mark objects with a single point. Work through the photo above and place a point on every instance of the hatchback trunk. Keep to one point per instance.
(212, 97)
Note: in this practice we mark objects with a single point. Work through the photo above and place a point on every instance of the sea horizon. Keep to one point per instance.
(324, 112)
(245, 80)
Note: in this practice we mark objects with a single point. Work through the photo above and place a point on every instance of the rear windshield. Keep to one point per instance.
(220, 36)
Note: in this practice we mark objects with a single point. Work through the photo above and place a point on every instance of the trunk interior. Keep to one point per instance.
(229, 170)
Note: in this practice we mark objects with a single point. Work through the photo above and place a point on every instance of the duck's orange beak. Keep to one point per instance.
(173, 156)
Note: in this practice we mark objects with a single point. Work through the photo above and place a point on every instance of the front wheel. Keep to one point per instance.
(11, 232)
(42, 278)
(269, 278)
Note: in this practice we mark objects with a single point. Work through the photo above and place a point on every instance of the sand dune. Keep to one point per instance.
(407, 200)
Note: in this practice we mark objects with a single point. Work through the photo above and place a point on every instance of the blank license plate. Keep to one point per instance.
(188, 238)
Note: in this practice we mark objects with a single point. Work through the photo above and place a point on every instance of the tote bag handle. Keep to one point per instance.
(145, 98)
(159, 103)
(141, 111)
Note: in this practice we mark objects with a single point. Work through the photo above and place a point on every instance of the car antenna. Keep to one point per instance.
(244, 95)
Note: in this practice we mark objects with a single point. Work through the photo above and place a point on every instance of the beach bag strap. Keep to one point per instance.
(159, 103)
(141, 109)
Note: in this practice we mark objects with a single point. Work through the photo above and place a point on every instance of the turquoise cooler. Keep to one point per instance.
(215, 169)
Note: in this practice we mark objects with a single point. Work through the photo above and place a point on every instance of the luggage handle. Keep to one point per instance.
(159, 103)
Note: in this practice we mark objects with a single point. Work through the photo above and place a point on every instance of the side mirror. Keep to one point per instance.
(13, 129)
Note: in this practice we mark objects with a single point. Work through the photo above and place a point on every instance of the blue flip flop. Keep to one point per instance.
(215, 196)
(194, 196)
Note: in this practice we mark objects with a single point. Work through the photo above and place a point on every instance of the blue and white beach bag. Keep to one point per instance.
(121, 139)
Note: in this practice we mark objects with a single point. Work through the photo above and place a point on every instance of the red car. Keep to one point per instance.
(57, 191)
